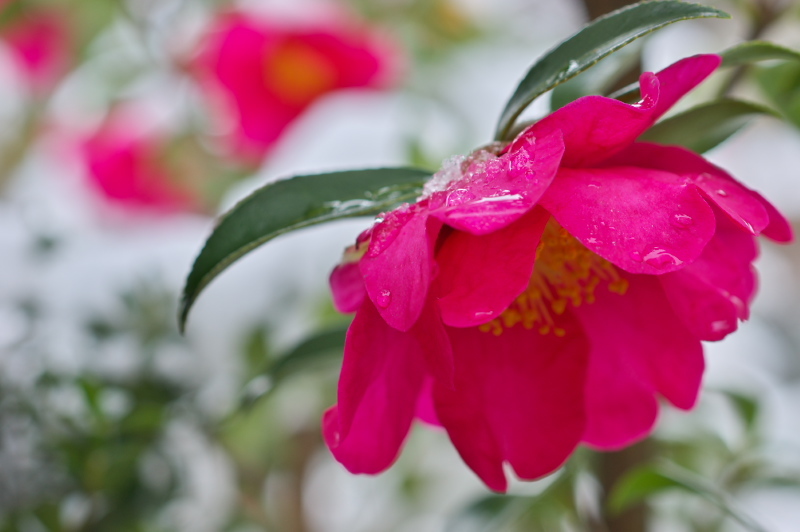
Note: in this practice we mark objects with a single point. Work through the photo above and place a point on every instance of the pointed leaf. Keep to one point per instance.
(597, 80)
(705, 126)
(594, 42)
(291, 204)
(754, 51)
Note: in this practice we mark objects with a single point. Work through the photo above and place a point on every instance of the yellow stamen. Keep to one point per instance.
(565, 274)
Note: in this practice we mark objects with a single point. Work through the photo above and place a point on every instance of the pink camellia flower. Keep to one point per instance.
(266, 73)
(125, 163)
(40, 46)
(546, 292)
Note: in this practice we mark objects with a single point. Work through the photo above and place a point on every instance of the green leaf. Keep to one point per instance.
(781, 84)
(705, 126)
(754, 51)
(594, 42)
(292, 204)
(651, 479)
(316, 352)
(747, 408)
(638, 485)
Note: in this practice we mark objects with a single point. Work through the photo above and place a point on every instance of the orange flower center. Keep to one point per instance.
(565, 273)
(298, 73)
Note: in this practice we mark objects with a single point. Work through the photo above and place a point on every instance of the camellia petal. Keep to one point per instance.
(347, 287)
(398, 264)
(635, 353)
(619, 218)
(710, 294)
(779, 228)
(518, 397)
(382, 375)
(595, 127)
(481, 275)
(741, 204)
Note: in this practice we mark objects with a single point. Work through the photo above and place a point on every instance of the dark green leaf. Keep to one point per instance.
(705, 126)
(594, 42)
(754, 51)
(292, 204)
(597, 80)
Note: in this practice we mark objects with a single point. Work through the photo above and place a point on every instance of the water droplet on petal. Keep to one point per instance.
(682, 221)
(720, 325)
(384, 299)
(635, 255)
(659, 258)
(722, 193)
(483, 314)
(459, 196)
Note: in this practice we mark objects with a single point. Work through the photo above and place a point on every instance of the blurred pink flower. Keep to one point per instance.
(127, 166)
(266, 73)
(40, 45)
(546, 292)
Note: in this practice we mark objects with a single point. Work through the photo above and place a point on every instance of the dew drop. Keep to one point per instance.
(384, 299)
(459, 196)
(483, 314)
(682, 220)
(658, 258)
(572, 66)
(635, 255)
(722, 193)
(720, 325)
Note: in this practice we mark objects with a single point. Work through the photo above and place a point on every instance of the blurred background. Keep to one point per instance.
(128, 125)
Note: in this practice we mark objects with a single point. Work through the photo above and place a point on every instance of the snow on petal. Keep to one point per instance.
(494, 191)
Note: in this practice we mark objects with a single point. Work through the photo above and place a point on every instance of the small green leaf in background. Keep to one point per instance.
(781, 85)
(594, 42)
(648, 480)
(638, 485)
(706, 126)
(747, 408)
(295, 203)
(319, 351)
(754, 51)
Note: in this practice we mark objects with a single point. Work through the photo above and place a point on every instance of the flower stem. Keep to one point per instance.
(610, 469)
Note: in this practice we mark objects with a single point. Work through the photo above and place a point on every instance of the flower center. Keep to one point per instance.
(298, 73)
(565, 273)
